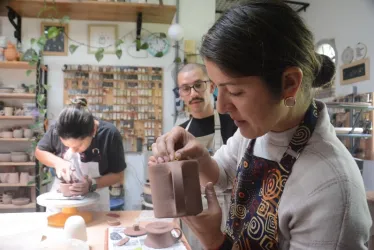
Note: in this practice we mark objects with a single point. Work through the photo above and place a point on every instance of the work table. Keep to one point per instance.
(96, 230)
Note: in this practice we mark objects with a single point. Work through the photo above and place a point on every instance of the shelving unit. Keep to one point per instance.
(355, 111)
(93, 10)
(129, 97)
(29, 189)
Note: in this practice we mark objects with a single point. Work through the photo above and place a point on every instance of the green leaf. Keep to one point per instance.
(178, 60)
(35, 58)
(119, 53)
(119, 42)
(30, 183)
(99, 54)
(41, 99)
(138, 44)
(162, 35)
(65, 19)
(73, 48)
(41, 11)
(32, 41)
(41, 42)
(28, 72)
(32, 63)
(159, 54)
(47, 86)
(53, 32)
(144, 46)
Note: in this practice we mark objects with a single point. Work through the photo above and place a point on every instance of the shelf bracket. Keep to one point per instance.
(139, 22)
(13, 15)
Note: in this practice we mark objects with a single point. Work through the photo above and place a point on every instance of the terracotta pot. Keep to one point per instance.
(64, 189)
(11, 53)
(175, 188)
(159, 235)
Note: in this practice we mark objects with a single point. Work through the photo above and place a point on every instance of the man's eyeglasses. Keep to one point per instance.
(198, 86)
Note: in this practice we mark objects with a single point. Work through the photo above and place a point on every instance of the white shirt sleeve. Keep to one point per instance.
(227, 159)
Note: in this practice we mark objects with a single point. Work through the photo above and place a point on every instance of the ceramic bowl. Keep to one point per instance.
(6, 90)
(19, 158)
(20, 201)
(7, 134)
(5, 157)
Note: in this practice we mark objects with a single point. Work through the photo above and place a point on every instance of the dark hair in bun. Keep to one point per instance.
(326, 73)
(75, 121)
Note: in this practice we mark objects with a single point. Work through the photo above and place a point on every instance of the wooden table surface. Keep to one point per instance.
(96, 230)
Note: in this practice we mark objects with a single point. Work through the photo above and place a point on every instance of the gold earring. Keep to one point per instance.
(289, 102)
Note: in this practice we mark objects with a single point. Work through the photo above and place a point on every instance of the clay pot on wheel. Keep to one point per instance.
(65, 189)
(159, 235)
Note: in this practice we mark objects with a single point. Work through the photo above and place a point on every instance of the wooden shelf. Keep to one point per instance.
(15, 65)
(11, 206)
(16, 140)
(16, 117)
(31, 163)
(17, 95)
(16, 185)
(98, 11)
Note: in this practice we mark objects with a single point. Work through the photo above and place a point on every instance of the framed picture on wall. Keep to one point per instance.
(102, 36)
(57, 46)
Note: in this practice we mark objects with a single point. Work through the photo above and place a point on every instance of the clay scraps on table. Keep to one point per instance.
(113, 215)
(123, 241)
(113, 222)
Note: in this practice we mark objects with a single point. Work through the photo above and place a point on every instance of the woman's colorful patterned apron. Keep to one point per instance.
(253, 218)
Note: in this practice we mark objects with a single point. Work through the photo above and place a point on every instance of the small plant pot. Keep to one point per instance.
(65, 189)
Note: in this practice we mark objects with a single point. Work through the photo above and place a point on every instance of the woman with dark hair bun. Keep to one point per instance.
(294, 184)
(99, 145)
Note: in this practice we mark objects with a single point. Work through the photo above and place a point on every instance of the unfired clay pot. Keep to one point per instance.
(175, 189)
(64, 188)
(159, 235)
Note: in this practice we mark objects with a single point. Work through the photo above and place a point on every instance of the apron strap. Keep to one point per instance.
(301, 137)
(188, 125)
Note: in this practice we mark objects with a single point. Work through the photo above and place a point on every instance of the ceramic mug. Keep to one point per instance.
(13, 178)
(175, 188)
(7, 199)
(4, 177)
(24, 178)
(2, 112)
(8, 111)
(160, 235)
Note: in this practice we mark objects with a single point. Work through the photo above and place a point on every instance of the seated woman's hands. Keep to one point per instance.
(176, 144)
(207, 225)
(82, 187)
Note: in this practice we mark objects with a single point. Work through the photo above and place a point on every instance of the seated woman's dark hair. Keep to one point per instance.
(264, 38)
(75, 121)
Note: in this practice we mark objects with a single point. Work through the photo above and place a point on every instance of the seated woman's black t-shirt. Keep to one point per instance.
(106, 148)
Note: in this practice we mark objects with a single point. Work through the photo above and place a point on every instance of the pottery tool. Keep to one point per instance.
(69, 207)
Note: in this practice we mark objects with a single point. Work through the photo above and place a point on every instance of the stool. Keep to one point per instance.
(370, 200)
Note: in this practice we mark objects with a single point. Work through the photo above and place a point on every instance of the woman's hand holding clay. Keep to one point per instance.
(177, 144)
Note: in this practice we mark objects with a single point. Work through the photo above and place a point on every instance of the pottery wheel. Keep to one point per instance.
(69, 208)
(89, 199)
(135, 231)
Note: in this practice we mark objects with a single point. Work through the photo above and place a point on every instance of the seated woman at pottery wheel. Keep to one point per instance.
(295, 185)
(99, 145)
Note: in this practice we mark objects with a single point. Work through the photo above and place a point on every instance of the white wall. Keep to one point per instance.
(196, 17)
(349, 22)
